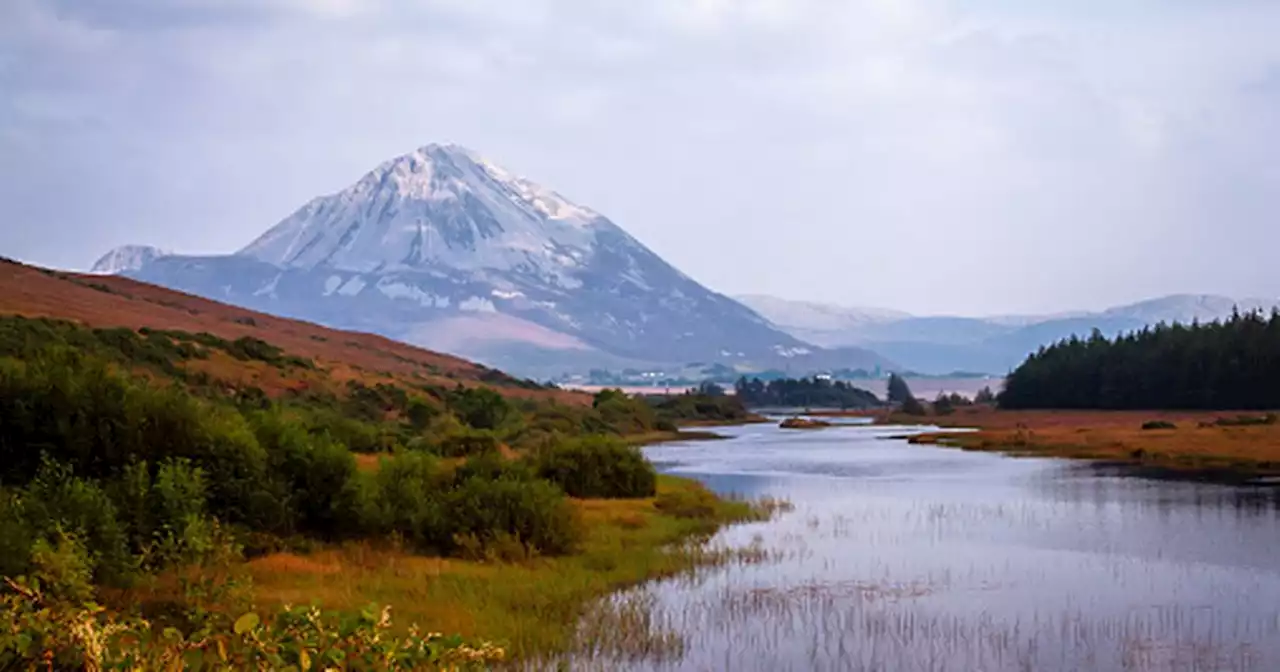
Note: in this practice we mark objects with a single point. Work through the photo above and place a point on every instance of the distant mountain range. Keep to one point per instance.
(940, 345)
(444, 249)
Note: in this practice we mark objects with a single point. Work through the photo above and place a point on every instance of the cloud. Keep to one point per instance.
(928, 141)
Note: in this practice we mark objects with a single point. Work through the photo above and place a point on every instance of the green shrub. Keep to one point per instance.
(1158, 424)
(624, 414)
(468, 443)
(407, 494)
(484, 511)
(692, 503)
(480, 407)
(315, 472)
(493, 466)
(58, 504)
(598, 467)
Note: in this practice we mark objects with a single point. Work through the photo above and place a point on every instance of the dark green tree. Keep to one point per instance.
(899, 392)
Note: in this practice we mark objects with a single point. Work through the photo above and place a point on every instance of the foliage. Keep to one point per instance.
(533, 514)
(38, 631)
(1232, 364)
(598, 467)
(1158, 424)
(898, 391)
(622, 413)
(803, 392)
(984, 396)
(480, 407)
(700, 405)
(946, 404)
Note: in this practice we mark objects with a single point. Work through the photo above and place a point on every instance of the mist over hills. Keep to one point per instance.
(939, 345)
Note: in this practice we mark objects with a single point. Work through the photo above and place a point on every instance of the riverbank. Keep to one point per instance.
(1188, 444)
(528, 606)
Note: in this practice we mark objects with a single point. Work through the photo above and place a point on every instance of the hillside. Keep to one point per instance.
(113, 301)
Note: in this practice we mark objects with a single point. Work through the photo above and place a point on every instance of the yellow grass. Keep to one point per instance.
(1118, 436)
(531, 608)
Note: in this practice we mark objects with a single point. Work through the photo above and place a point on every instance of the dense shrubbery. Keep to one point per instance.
(598, 467)
(107, 476)
(803, 392)
(706, 403)
(1233, 364)
(129, 467)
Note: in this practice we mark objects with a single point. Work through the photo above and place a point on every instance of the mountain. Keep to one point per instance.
(443, 248)
(127, 258)
(941, 345)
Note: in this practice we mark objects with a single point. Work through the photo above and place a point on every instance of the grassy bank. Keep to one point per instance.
(1226, 445)
(529, 607)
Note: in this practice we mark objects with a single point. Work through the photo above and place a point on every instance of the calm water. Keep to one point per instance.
(902, 557)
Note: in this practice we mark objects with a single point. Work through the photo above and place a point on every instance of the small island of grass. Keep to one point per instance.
(803, 423)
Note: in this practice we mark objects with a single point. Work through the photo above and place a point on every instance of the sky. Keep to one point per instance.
(947, 157)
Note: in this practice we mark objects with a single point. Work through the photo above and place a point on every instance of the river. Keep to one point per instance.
(900, 557)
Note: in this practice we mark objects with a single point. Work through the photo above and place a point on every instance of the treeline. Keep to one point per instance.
(108, 475)
(803, 392)
(1234, 364)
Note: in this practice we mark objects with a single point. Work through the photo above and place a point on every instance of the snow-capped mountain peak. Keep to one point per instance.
(445, 248)
(126, 258)
(439, 205)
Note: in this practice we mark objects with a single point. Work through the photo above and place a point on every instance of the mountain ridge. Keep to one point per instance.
(440, 232)
(941, 344)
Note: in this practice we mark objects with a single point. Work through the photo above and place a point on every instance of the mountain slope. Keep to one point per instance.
(440, 234)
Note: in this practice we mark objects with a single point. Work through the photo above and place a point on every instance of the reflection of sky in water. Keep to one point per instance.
(914, 557)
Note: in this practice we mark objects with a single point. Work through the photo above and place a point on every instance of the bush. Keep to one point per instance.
(481, 408)
(692, 503)
(467, 444)
(406, 496)
(82, 414)
(1158, 424)
(56, 505)
(489, 511)
(598, 467)
(315, 471)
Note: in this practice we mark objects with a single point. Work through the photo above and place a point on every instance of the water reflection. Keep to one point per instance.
(905, 557)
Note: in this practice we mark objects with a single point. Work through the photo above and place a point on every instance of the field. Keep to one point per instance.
(1211, 443)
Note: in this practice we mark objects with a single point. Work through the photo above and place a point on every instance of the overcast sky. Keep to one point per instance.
(962, 157)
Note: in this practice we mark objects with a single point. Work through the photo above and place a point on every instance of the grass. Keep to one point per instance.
(532, 607)
(1197, 443)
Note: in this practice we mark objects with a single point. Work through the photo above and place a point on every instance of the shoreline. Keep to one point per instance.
(1196, 448)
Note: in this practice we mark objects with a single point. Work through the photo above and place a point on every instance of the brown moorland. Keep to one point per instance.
(113, 301)
(1229, 444)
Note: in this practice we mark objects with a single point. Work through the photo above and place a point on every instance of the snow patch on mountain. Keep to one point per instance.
(438, 206)
(126, 258)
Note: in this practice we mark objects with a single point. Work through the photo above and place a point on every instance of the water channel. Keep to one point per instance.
(901, 557)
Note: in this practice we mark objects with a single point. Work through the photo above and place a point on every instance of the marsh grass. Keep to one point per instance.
(532, 608)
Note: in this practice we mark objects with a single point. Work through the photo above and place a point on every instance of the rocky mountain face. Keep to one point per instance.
(444, 249)
(995, 345)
